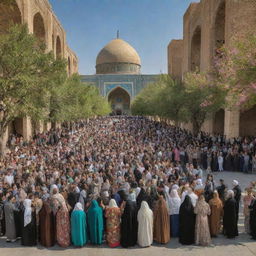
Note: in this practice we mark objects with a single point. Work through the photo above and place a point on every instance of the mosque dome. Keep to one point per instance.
(118, 57)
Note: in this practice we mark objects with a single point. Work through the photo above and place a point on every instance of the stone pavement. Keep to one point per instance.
(241, 246)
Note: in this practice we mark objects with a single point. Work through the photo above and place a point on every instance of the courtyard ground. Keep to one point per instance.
(241, 246)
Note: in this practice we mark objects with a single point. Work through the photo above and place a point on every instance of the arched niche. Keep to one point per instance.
(38, 27)
(9, 15)
(58, 48)
(196, 50)
(119, 100)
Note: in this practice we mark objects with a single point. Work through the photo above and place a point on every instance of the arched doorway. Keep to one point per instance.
(247, 124)
(120, 101)
(9, 15)
(218, 122)
(58, 47)
(219, 28)
(69, 67)
(196, 50)
(38, 27)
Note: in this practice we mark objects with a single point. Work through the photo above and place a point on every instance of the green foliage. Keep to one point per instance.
(75, 100)
(33, 83)
(26, 75)
(147, 101)
(202, 98)
(193, 100)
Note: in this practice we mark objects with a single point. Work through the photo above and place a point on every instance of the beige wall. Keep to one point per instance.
(175, 56)
(41, 21)
(240, 15)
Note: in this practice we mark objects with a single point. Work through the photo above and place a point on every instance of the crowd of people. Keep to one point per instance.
(124, 181)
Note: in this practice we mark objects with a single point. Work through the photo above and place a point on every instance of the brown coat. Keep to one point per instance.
(46, 223)
(216, 215)
(161, 222)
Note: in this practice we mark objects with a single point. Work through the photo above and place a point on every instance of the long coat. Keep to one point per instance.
(187, 222)
(161, 222)
(9, 221)
(46, 225)
(129, 225)
(230, 218)
(78, 228)
(95, 223)
(252, 208)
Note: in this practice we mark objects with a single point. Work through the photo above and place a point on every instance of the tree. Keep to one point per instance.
(235, 67)
(26, 75)
(75, 100)
(147, 101)
(171, 100)
(203, 97)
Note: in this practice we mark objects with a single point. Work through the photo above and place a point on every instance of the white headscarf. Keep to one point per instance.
(112, 204)
(28, 212)
(230, 193)
(53, 187)
(174, 202)
(235, 182)
(78, 207)
(144, 208)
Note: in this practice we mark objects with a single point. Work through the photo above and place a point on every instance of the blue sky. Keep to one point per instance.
(148, 25)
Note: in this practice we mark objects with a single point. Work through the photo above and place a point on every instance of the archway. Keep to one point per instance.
(38, 27)
(9, 14)
(58, 47)
(196, 50)
(247, 124)
(120, 101)
(219, 28)
(218, 122)
(69, 66)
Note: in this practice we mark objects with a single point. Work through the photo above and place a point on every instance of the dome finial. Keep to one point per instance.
(117, 34)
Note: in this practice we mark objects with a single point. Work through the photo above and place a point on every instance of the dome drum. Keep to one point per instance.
(118, 68)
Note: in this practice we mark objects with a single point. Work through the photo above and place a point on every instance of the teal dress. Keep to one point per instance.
(95, 223)
(78, 228)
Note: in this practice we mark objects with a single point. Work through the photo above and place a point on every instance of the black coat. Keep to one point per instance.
(129, 225)
(230, 218)
(252, 208)
(187, 220)
(29, 234)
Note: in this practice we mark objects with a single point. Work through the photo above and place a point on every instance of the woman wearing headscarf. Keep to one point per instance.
(29, 235)
(202, 232)
(62, 218)
(252, 208)
(145, 225)
(229, 218)
(78, 226)
(95, 223)
(216, 214)
(113, 219)
(10, 229)
(247, 202)
(46, 225)
(174, 205)
(161, 222)
(129, 225)
(187, 222)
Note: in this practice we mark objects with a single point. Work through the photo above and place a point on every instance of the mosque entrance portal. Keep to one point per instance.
(119, 100)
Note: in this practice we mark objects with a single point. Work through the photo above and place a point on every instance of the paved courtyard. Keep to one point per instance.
(241, 246)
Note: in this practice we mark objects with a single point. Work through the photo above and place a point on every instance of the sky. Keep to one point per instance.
(148, 25)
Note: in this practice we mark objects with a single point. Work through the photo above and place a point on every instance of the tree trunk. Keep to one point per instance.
(3, 141)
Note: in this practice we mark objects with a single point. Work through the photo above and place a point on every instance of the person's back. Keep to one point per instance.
(78, 226)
